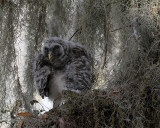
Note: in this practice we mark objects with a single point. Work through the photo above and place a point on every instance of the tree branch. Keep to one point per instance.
(106, 33)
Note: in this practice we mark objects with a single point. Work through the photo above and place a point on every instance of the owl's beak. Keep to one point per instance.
(49, 57)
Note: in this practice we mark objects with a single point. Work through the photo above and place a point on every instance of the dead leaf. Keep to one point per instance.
(25, 114)
(154, 10)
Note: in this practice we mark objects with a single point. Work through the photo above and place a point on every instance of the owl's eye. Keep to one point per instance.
(56, 48)
(55, 51)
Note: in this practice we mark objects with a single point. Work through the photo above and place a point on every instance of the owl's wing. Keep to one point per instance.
(79, 71)
(42, 72)
(78, 51)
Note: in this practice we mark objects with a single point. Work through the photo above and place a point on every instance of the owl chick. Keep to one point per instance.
(62, 65)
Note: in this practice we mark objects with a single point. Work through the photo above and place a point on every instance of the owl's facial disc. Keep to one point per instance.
(54, 53)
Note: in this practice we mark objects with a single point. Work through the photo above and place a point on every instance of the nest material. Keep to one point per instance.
(127, 107)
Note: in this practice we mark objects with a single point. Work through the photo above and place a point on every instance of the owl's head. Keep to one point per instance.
(56, 51)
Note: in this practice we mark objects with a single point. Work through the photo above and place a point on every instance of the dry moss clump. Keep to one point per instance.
(128, 107)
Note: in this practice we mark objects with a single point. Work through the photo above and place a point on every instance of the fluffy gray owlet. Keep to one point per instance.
(62, 65)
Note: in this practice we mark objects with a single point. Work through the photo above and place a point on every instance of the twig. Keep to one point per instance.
(79, 29)
(20, 124)
(106, 33)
